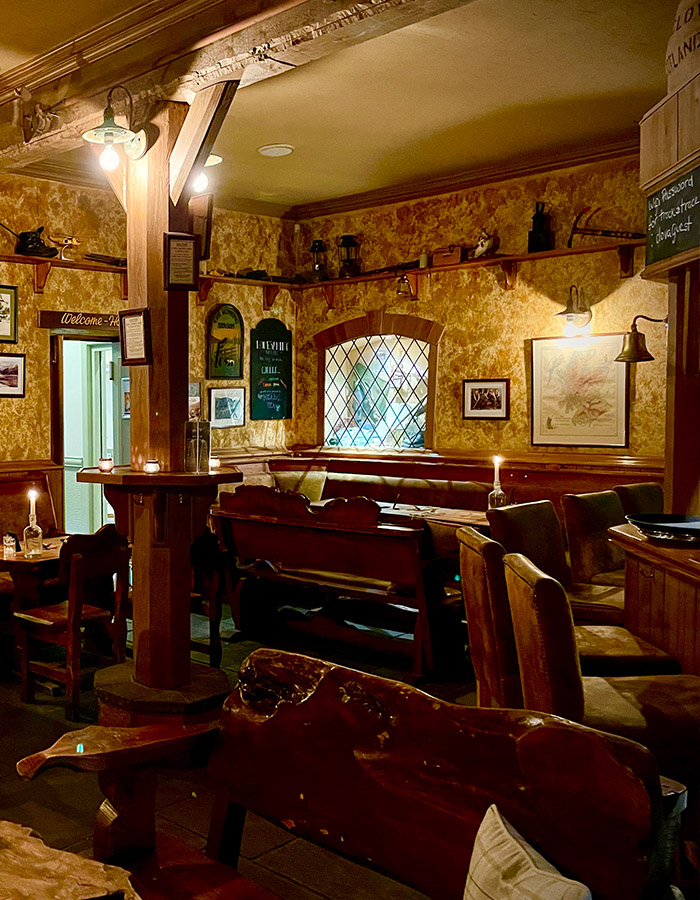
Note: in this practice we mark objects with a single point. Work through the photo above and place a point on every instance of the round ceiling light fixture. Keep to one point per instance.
(275, 149)
(213, 159)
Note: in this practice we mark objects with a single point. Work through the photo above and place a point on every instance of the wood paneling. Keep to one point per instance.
(659, 141)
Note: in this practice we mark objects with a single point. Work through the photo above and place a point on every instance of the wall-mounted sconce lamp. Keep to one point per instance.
(577, 313)
(634, 345)
(201, 181)
(109, 133)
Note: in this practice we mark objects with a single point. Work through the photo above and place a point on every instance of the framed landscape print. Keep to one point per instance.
(579, 392)
(11, 374)
(227, 407)
(225, 342)
(8, 314)
(486, 398)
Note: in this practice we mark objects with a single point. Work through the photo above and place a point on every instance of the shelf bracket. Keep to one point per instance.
(329, 294)
(510, 273)
(205, 285)
(625, 254)
(270, 292)
(41, 275)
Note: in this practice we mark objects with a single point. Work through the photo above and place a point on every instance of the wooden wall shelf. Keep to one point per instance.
(270, 288)
(43, 268)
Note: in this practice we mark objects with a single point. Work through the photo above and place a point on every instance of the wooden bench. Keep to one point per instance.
(384, 774)
(343, 553)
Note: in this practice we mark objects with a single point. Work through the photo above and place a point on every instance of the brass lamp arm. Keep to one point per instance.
(648, 318)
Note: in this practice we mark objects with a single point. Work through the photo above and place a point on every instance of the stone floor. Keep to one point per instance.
(61, 805)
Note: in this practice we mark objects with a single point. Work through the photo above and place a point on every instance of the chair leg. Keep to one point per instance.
(73, 679)
(22, 649)
(212, 602)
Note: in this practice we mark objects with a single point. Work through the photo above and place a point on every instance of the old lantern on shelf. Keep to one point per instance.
(319, 269)
(348, 256)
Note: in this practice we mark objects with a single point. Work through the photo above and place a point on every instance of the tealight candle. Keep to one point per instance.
(214, 462)
(105, 464)
(32, 502)
(152, 467)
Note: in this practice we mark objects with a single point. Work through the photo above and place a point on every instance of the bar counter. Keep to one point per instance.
(662, 593)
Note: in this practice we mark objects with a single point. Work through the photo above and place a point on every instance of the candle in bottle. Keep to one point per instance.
(496, 469)
(32, 502)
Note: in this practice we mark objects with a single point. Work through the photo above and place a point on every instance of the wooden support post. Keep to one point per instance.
(682, 473)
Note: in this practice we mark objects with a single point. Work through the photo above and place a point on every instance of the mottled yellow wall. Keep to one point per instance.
(487, 327)
(241, 241)
(93, 216)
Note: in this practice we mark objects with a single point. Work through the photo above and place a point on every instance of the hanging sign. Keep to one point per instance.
(225, 342)
(76, 321)
(270, 370)
(673, 218)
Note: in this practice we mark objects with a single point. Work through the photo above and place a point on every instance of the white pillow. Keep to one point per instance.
(504, 867)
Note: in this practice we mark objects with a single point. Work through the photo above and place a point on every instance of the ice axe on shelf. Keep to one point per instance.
(30, 243)
(585, 227)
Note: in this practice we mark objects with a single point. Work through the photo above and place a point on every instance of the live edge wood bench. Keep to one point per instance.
(344, 555)
(384, 774)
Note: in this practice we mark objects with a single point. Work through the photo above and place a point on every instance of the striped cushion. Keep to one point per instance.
(504, 867)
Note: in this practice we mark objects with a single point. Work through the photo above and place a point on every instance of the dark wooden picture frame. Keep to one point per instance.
(8, 314)
(181, 261)
(135, 339)
(225, 338)
(12, 374)
(486, 398)
(579, 394)
(201, 208)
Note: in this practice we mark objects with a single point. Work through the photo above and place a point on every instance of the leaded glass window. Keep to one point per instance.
(376, 392)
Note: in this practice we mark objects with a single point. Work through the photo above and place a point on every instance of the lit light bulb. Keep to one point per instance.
(109, 158)
(201, 183)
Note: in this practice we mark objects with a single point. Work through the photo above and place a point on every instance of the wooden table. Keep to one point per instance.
(662, 593)
(439, 515)
(29, 574)
(29, 870)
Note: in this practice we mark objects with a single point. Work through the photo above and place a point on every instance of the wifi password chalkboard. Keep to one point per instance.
(673, 218)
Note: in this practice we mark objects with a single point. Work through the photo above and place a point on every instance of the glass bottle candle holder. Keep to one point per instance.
(197, 446)
(497, 497)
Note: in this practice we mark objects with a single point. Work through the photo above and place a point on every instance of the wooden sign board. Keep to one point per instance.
(224, 342)
(673, 218)
(270, 370)
(69, 321)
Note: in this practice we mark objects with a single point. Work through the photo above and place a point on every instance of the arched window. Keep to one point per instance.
(378, 383)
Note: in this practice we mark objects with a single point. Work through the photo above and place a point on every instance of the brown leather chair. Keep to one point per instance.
(603, 649)
(594, 558)
(645, 497)
(534, 530)
(87, 566)
(660, 711)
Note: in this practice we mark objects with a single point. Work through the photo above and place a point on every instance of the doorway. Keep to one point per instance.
(95, 420)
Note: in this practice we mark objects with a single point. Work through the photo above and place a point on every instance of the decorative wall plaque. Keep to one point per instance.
(181, 253)
(225, 342)
(271, 370)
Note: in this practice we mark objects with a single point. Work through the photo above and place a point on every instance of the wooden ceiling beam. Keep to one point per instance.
(177, 62)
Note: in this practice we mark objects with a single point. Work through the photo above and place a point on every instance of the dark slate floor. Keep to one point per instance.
(61, 805)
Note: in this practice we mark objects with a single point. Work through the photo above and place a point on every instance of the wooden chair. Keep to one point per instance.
(386, 775)
(534, 530)
(662, 712)
(645, 497)
(602, 649)
(87, 566)
(210, 585)
(594, 558)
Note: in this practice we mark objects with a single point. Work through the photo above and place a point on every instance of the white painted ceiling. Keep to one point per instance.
(492, 80)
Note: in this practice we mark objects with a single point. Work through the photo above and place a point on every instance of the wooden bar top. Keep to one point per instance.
(680, 557)
(124, 476)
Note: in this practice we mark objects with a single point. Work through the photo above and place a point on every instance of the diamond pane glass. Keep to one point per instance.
(376, 390)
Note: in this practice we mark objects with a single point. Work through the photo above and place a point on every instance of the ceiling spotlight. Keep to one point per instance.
(275, 150)
(201, 183)
(213, 160)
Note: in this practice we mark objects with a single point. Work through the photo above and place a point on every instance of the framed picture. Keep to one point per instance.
(224, 342)
(227, 407)
(135, 336)
(11, 374)
(194, 400)
(484, 398)
(8, 314)
(126, 398)
(579, 392)
(181, 256)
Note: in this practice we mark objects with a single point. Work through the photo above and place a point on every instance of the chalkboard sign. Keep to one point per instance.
(270, 371)
(673, 218)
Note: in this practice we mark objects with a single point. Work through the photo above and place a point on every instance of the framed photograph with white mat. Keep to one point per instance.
(226, 407)
(579, 393)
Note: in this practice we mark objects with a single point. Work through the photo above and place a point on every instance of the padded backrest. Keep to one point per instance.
(419, 491)
(550, 673)
(534, 530)
(587, 518)
(645, 497)
(387, 774)
(309, 482)
(491, 639)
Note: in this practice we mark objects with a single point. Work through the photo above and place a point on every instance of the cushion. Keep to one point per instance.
(505, 867)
